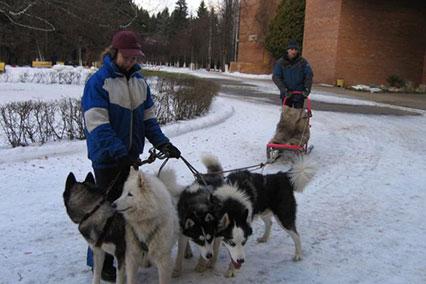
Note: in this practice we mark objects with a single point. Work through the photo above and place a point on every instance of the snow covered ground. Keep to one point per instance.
(361, 220)
(264, 84)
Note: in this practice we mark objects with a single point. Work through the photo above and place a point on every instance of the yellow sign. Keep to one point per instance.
(2, 67)
(42, 64)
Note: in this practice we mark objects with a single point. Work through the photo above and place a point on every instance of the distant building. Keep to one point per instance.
(359, 41)
(252, 55)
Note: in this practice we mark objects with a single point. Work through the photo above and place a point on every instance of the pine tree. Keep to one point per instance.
(202, 11)
(179, 15)
(287, 24)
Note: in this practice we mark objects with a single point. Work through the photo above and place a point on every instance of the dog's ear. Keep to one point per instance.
(70, 181)
(209, 217)
(224, 222)
(90, 178)
(141, 180)
(189, 223)
(133, 171)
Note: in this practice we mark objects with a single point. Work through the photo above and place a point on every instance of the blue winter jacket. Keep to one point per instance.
(292, 75)
(118, 114)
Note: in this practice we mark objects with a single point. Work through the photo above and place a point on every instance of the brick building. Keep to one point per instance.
(254, 18)
(359, 41)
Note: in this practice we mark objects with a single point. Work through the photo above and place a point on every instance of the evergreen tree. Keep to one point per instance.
(202, 11)
(287, 24)
(179, 15)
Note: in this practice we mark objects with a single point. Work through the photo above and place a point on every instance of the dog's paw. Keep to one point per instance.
(211, 264)
(201, 266)
(230, 273)
(297, 257)
(146, 263)
(262, 240)
(176, 273)
(188, 252)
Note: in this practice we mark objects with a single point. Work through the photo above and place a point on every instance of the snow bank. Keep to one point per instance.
(366, 88)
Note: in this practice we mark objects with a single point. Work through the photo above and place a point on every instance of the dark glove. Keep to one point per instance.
(306, 92)
(287, 94)
(169, 150)
(126, 162)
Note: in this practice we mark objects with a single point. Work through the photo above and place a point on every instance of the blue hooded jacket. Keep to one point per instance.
(118, 114)
(292, 75)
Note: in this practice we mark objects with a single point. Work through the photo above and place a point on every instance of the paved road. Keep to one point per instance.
(238, 88)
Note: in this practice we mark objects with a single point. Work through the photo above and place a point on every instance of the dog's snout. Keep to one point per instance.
(240, 260)
(113, 205)
(209, 255)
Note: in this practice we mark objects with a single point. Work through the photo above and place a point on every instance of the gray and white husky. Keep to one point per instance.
(120, 228)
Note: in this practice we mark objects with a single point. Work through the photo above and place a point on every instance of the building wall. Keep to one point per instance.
(381, 38)
(320, 39)
(252, 55)
(424, 69)
(360, 41)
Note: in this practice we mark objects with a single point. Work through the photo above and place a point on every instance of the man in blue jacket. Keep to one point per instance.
(119, 114)
(293, 76)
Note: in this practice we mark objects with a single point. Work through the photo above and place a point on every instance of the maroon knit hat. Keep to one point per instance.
(127, 43)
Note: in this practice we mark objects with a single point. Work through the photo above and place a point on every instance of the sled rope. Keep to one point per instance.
(200, 176)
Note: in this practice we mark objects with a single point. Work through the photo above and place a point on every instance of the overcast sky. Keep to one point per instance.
(154, 6)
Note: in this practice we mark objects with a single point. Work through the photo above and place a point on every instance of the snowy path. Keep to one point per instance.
(361, 219)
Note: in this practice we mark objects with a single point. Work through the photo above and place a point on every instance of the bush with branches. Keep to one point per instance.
(178, 97)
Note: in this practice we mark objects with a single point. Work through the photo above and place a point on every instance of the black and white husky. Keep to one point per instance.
(140, 225)
(246, 195)
(197, 210)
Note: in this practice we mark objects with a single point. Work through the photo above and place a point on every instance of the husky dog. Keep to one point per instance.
(104, 229)
(147, 207)
(196, 208)
(247, 195)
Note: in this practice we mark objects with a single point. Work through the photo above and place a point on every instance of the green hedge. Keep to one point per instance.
(287, 24)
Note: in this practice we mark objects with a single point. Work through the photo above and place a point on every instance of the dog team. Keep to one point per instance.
(141, 226)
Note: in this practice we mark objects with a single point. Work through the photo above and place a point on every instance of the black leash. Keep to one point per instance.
(249, 168)
(193, 170)
(104, 198)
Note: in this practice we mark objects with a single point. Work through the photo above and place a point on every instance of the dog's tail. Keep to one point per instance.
(168, 177)
(212, 164)
(301, 173)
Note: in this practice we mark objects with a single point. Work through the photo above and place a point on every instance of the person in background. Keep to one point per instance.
(119, 114)
(293, 75)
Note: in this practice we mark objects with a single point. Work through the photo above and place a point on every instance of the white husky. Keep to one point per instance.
(147, 206)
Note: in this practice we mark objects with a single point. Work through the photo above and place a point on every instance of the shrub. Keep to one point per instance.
(395, 81)
(38, 122)
(178, 97)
